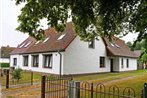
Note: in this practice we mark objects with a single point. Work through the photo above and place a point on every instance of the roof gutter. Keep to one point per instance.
(60, 70)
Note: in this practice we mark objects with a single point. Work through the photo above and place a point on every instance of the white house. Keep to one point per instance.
(64, 53)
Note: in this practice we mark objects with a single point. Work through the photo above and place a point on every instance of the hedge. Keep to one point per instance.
(4, 64)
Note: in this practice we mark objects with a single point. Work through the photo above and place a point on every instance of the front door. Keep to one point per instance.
(111, 65)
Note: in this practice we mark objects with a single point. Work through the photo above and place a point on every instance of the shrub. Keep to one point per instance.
(16, 74)
(4, 64)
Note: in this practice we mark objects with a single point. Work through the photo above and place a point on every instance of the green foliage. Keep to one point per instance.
(143, 57)
(129, 44)
(138, 46)
(16, 74)
(4, 65)
(91, 18)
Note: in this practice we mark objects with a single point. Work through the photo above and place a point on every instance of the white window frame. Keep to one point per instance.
(102, 63)
(35, 60)
(47, 61)
(26, 60)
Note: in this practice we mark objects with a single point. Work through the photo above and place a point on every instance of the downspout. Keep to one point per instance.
(60, 62)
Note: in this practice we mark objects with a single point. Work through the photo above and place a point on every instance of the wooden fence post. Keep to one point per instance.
(145, 90)
(31, 78)
(91, 90)
(7, 79)
(43, 80)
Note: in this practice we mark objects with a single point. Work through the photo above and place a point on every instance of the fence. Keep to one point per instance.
(54, 87)
(61, 87)
(27, 78)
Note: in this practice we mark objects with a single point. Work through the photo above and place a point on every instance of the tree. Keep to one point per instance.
(91, 18)
(129, 44)
(138, 46)
(143, 57)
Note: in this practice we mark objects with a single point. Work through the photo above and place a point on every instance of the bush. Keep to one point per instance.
(4, 65)
(16, 74)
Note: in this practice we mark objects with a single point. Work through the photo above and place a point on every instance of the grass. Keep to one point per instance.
(25, 78)
(137, 80)
(136, 83)
(133, 79)
(104, 77)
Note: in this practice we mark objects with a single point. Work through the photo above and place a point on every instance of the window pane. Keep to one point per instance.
(127, 63)
(48, 61)
(25, 60)
(122, 63)
(91, 44)
(14, 61)
(102, 62)
(35, 60)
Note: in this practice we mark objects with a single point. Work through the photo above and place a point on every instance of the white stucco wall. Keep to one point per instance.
(132, 64)
(115, 63)
(19, 60)
(4, 60)
(79, 59)
(40, 68)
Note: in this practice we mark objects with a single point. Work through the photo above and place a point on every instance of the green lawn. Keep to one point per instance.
(25, 78)
(133, 79)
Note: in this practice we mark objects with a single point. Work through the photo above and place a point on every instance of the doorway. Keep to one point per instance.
(111, 65)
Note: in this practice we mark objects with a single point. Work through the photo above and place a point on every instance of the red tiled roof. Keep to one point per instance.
(22, 49)
(137, 52)
(52, 44)
(118, 48)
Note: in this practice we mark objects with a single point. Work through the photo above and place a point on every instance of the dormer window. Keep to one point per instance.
(27, 44)
(117, 46)
(21, 45)
(112, 45)
(91, 44)
(37, 42)
(46, 39)
(61, 36)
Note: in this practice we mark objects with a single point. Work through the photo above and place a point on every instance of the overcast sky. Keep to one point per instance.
(8, 17)
(9, 14)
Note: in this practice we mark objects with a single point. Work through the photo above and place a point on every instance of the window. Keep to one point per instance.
(47, 62)
(91, 44)
(37, 42)
(112, 44)
(46, 39)
(14, 61)
(61, 36)
(122, 63)
(35, 60)
(117, 46)
(27, 44)
(102, 62)
(127, 63)
(25, 60)
(21, 45)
